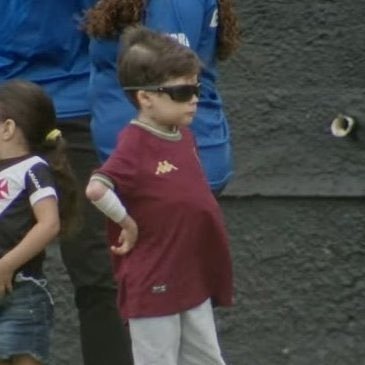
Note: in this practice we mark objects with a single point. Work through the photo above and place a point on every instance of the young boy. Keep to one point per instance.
(171, 256)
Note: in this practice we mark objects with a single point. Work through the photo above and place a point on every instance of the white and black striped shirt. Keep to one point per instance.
(23, 182)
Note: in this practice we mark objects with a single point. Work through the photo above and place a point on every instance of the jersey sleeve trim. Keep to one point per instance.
(42, 193)
(103, 179)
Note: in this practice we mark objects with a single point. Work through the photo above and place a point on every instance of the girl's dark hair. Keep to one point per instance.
(108, 18)
(33, 112)
(151, 58)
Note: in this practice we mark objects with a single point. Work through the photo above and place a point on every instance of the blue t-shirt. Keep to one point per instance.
(41, 41)
(193, 23)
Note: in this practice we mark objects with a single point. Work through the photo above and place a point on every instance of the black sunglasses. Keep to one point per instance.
(179, 93)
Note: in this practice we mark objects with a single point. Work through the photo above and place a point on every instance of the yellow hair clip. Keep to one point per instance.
(53, 135)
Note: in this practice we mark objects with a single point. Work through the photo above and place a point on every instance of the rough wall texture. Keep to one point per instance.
(303, 62)
(300, 282)
(295, 209)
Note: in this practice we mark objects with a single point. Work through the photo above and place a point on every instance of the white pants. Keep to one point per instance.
(187, 338)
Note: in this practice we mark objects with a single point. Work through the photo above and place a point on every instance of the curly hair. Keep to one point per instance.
(108, 18)
(229, 32)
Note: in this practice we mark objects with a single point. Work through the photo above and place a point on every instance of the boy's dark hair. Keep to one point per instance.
(150, 58)
(33, 112)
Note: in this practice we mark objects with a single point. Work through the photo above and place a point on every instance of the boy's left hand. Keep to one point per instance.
(128, 236)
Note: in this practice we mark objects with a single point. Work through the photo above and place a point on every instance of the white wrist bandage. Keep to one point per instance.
(111, 206)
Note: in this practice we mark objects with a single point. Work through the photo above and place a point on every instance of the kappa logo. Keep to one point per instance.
(4, 190)
(164, 167)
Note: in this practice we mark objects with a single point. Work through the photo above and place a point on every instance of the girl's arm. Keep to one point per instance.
(43, 232)
(104, 198)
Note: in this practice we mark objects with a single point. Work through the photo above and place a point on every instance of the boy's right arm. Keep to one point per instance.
(99, 191)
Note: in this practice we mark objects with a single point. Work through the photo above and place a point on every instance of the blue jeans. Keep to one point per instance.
(26, 316)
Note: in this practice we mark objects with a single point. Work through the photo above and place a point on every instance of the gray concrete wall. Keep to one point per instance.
(302, 63)
(295, 209)
(300, 282)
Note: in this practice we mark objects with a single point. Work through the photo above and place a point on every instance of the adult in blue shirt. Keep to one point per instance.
(209, 27)
(41, 41)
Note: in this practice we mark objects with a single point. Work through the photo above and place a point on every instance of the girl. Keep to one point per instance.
(38, 199)
(209, 27)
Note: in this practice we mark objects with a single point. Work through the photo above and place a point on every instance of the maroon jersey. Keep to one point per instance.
(181, 256)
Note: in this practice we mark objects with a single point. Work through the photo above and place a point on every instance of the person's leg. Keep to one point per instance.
(155, 340)
(104, 339)
(199, 343)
